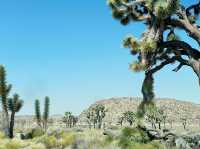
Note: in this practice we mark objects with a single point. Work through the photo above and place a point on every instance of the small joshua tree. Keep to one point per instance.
(46, 112)
(37, 112)
(68, 119)
(130, 117)
(4, 93)
(96, 115)
(14, 105)
(91, 118)
(100, 113)
(184, 122)
(121, 120)
(155, 116)
(42, 122)
(151, 116)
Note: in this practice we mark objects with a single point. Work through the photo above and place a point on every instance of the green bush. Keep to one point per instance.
(2, 135)
(50, 142)
(67, 139)
(13, 144)
(37, 132)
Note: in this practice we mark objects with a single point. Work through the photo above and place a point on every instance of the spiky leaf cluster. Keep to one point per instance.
(4, 89)
(172, 36)
(137, 66)
(15, 104)
(165, 8)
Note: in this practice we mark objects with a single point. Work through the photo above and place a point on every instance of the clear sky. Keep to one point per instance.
(72, 52)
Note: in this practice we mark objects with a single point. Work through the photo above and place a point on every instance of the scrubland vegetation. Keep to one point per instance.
(145, 128)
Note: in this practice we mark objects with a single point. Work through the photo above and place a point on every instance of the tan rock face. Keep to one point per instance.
(175, 109)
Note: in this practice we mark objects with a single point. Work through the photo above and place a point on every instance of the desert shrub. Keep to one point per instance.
(13, 144)
(137, 139)
(36, 146)
(2, 135)
(37, 132)
(67, 139)
(50, 142)
(135, 135)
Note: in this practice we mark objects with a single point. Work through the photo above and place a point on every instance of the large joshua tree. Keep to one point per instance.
(14, 105)
(159, 44)
(4, 93)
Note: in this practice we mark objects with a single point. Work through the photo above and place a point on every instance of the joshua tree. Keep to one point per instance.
(68, 119)
(74, 120)
(96, 115)
(4, 93)
(46, 112)
(151, 115)
(100, 113)
(159, 44)
(14, 105)
(155, 116)
(38, 113)
(121, 120)
(42, 122)
(91, 118)
(184, 122)
(130, 117)
(171, 120)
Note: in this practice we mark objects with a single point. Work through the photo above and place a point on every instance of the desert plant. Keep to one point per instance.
(159, 45)
(50, 142)
(68, 119)
(14, 105)
(4, 93)
(37, 112)
(130, 117)
(13, 144)
(46, 112)
(100, 113)
(42, 121)
(184, 122)
(150, 116)
(91, 118)
(120, 120)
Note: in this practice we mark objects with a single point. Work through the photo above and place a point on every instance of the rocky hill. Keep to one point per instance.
(175, 109)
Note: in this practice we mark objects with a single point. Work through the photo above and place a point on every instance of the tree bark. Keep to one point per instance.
(12, 122)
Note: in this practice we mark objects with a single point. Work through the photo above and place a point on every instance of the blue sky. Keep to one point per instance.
(72, 52)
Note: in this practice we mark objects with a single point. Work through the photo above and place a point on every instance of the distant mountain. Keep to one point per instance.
(175, 109)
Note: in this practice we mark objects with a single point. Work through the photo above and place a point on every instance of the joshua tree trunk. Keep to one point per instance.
(12, 122)
(159, 125)
(99, 124)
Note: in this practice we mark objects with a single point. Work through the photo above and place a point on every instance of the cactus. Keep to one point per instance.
(14, 105)
(4, 93)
